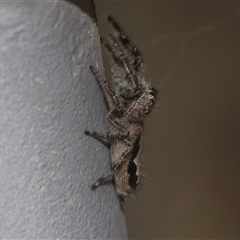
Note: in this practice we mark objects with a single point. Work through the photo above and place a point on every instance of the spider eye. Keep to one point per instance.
(153, 92)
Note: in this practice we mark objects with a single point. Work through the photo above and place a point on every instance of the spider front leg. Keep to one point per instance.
(109, 95)
(121, 60)
(137, 62)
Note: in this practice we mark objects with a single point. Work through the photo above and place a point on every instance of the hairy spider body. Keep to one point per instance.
(129, 102)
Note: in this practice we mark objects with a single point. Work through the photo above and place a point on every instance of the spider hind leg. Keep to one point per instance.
(115, 168)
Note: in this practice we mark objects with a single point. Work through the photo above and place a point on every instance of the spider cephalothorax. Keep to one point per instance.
(129, 101)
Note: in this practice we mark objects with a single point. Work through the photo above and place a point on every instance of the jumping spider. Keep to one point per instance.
(129, 102)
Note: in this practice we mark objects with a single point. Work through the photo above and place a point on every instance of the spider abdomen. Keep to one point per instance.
(127, 177)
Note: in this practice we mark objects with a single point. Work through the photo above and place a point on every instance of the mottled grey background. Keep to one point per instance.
(191, 155)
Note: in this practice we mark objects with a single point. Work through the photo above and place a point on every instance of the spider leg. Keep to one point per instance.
(103, 179)
(137, 63)
(123, 135)
(121, 60)
(111, 97)
(100, 137)
(106, 136)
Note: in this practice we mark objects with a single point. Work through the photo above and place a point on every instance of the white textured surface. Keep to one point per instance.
(48, 98)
